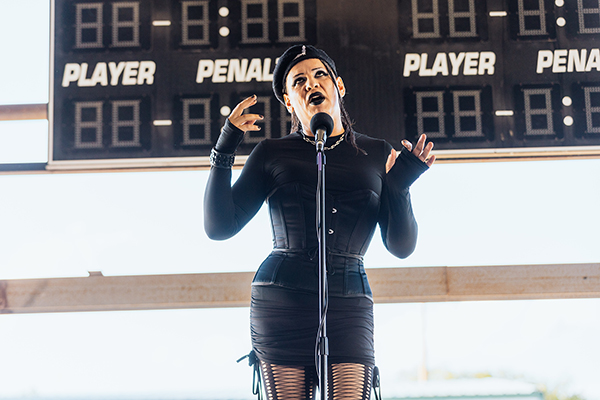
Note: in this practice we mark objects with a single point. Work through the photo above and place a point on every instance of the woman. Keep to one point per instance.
(367, 184)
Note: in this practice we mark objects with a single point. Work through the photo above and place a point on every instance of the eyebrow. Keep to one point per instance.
(302, 73)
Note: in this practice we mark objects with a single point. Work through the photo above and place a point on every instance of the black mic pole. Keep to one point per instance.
(323, 341)
(321, 124)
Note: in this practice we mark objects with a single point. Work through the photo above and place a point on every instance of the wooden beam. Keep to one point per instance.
(23, 112)
(389, 285)
(513, 282)
(100, 293)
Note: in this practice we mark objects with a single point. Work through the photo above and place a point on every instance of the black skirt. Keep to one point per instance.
(284, 324)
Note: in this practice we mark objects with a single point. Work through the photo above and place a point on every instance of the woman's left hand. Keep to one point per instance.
(421, 151)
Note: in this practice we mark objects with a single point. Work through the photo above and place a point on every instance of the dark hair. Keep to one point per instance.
(347, 122)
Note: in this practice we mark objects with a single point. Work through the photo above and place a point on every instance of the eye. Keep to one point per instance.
(298, 80)
(320, 73)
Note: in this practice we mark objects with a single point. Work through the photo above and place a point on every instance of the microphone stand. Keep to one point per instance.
(321, 124)
(323, 343)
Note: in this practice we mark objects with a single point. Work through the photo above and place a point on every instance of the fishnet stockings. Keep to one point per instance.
(347, 381)
(350, 381)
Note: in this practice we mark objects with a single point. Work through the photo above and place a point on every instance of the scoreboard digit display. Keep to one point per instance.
(150, 82)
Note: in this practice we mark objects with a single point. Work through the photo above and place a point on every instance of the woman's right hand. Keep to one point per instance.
(245, 122)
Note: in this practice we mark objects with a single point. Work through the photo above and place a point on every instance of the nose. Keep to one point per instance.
(310, 84)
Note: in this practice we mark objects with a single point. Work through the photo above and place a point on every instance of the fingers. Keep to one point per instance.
(425, 153)
(245, 122)
(391, 160)
(248, 117)
(430, 161)
(420, 145)
(422, 150)
(242, 105)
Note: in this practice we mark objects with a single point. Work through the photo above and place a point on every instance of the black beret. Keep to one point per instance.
(291, 57)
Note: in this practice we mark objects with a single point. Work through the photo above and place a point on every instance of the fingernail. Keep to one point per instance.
(405, 142)
(262, 117)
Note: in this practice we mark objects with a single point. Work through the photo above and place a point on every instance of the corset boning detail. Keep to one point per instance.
(350, 219)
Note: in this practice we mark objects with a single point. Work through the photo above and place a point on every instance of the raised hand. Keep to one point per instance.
(245, 122)
(421, 151)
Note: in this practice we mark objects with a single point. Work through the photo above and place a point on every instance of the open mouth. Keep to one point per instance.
(316, 98)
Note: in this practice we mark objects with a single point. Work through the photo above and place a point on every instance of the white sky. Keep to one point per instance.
(151, 223)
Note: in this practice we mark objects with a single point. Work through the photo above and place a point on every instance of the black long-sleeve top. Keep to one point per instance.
(359, 195)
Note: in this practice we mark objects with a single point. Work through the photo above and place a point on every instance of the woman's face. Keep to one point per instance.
(309, 89)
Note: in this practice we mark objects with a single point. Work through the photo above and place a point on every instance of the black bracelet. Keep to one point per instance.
(221, 160)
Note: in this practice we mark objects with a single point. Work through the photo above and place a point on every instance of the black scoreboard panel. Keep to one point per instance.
(155, 79)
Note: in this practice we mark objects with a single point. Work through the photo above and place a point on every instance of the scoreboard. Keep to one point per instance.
(151, 82)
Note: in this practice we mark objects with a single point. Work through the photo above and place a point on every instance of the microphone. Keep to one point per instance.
(321, 125)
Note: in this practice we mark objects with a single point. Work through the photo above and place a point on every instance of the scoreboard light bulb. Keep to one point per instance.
(225, 111)
(567, 101)
(559, 3)
(568, 120)
(560, 21)
(223, 11)
(224, 31)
